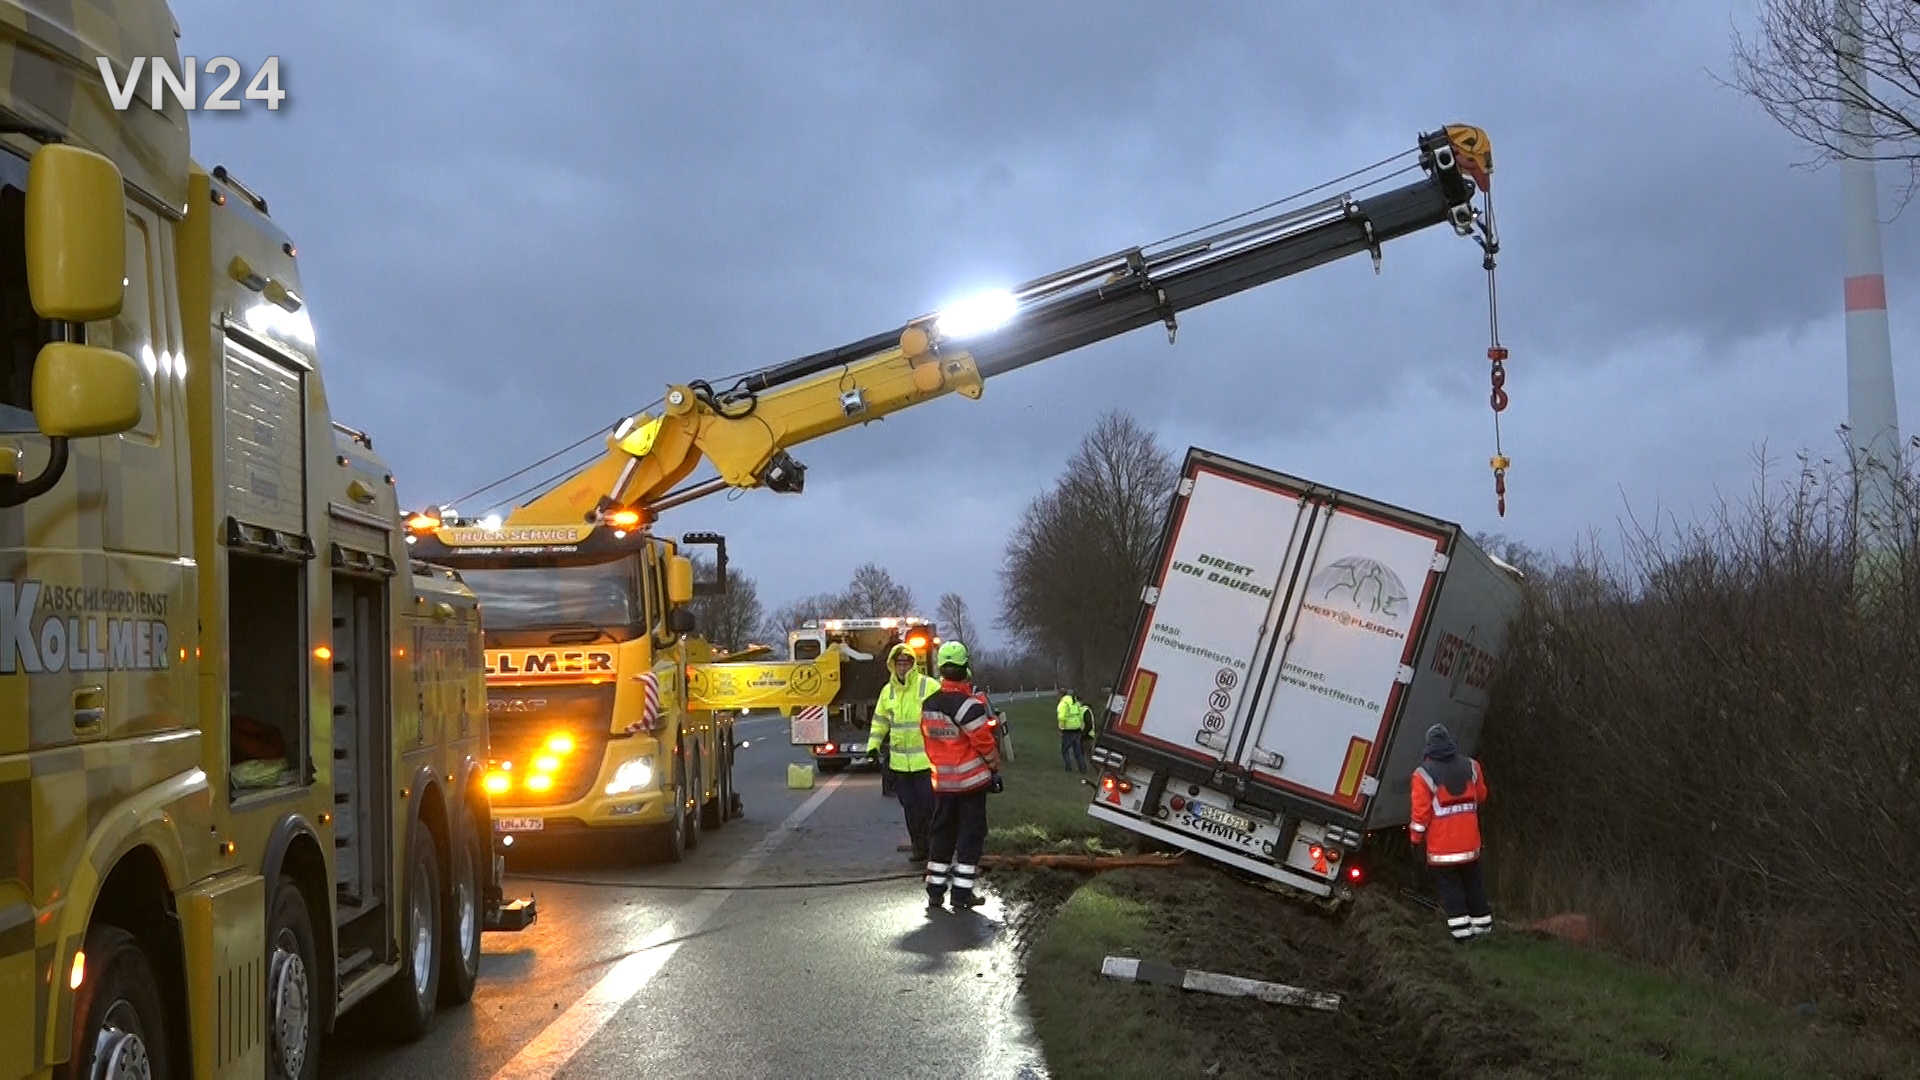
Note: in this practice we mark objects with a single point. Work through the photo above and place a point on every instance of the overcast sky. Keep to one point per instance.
(515, 227)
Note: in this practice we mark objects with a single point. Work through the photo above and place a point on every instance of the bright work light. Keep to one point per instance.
(977, 314)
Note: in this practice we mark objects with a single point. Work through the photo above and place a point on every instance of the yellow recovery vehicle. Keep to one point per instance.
(613, 711)
(241, 736)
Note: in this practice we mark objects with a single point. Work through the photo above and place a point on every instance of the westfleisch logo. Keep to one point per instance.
(1360, 592)
(265, 85)
(1367, 586)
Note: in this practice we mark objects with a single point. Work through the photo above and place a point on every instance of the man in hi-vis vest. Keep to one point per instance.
(896, 721)
(1448, 791)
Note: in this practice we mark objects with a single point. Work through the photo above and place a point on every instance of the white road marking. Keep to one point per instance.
(559, 1041)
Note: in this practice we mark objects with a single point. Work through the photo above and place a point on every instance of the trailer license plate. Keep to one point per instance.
(518, 824)
(1223, 817)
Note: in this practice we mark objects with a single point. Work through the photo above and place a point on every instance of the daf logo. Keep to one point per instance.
(517, 705)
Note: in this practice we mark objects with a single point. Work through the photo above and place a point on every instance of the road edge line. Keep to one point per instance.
(555, 1045)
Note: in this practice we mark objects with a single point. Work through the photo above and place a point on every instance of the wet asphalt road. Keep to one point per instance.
(623, 981)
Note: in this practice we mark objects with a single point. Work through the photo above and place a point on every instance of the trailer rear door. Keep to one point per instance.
(1232, 546)
(1330, 686)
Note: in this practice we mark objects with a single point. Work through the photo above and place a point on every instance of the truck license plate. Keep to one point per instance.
(518, 824)
(1223, 817)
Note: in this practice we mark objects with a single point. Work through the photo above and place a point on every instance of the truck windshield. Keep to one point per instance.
(597, 595)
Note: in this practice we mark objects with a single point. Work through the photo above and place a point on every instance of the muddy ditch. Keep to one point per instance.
(1408, 1006)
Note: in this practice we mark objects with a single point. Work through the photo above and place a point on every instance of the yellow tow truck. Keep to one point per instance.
(242, 735)
(612, 710)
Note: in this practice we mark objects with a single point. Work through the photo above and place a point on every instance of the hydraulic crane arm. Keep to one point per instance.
(746, 430)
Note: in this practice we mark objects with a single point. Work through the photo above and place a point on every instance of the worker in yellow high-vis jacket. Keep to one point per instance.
(1073, 723)
(896, 721)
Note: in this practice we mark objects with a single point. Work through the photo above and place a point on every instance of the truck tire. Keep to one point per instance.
(689, 793)
(713, 812)
(293, 1006)
(119, 1023)
(460, 950)
(671, 838)
(411, 997)
(725, 799)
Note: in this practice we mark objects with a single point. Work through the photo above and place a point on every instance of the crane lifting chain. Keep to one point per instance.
(1496, 353)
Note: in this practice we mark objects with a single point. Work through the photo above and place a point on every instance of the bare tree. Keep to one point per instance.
(1801, 69)
(873, 593)
(792, 615)
(1075, 565)
(727, 619)
(955, 621)
(1002, 670)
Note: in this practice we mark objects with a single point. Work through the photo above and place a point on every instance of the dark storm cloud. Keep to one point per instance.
(516, 227)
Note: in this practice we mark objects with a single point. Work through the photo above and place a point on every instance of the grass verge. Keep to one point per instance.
(1619, 1020)
(1044, 807)
(1413, 1004)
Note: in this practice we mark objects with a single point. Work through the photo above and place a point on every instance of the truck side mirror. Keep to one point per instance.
(76, 273)
(83, 390)
(681, 621)
(679, 579)
(76, 247)
(76, 235)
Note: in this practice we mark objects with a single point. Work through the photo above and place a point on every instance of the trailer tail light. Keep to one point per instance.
(1177, 803)
(497, 783)
(1125, 785)
(1106, 783)
(1353, 874)
(826, 748)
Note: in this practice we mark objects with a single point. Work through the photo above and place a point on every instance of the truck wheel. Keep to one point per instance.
(461, 948)
(688, 793)
(415, 989)
(713, 812)
(671, 838)
(121, 1030)
(293, 965)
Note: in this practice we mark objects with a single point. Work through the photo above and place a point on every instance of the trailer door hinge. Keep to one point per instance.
(1117, 704)
(1186, 485)
(1211, 740)
(1404, 675)
(1150, 595)
(1268, 758)
(1369, 785)
(1440, 562)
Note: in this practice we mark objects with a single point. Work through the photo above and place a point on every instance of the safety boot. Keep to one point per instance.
(965, 899)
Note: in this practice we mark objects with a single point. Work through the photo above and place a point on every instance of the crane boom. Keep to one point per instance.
(747, 429)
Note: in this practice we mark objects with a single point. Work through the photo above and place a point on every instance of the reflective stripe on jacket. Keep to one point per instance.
(953, 725)
(896, 718)
(1449, 824)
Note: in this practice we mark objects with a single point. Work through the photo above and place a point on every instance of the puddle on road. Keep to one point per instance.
(952, 945)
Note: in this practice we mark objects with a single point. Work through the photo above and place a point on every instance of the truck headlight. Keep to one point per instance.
(631, 776)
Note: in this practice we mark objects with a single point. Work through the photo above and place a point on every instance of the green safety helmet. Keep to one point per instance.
(953, 652)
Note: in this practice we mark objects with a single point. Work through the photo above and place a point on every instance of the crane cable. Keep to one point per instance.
(1496, 352)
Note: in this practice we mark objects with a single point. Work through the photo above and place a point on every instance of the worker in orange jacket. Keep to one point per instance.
(1448, 791)
(966, 767)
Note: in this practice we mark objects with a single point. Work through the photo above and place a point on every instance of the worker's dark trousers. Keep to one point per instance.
(959, 836)
(1073, 750)
(915, 792)
(1463, 896)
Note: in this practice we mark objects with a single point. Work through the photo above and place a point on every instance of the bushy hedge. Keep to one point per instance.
(1712, 746)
